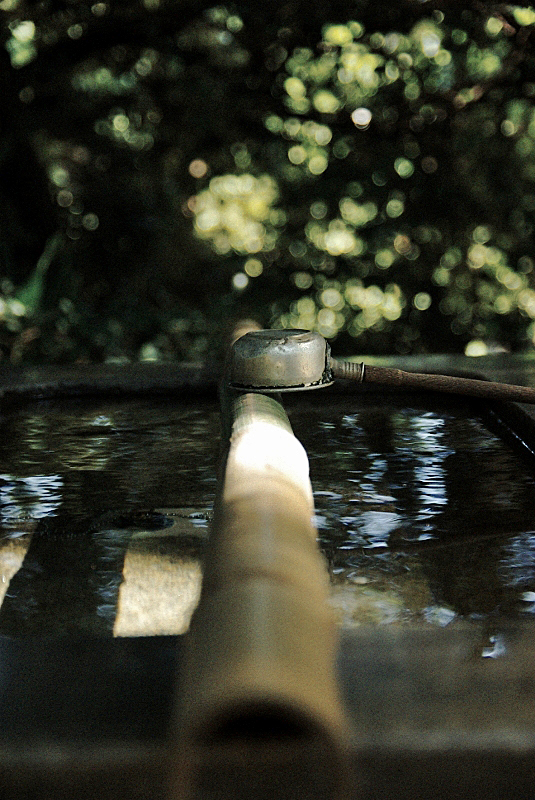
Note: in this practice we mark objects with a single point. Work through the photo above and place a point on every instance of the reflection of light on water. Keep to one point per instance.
(376, 525)
(101, 421)
(517, 568)
(87, 445)
(429, 473)
(439, 615)
(23, 501)
(381, 480)
(389, 481)
(497, 648)
(31, 498)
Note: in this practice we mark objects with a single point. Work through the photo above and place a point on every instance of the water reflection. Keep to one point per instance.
(77, 520)
(517, 570)
(424, 516)
(425, 435)
(162, 576)
(496, 649)
(428, 510)
(23, 499)
(68, 588)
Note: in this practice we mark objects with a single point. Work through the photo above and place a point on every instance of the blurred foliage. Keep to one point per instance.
(366, 169)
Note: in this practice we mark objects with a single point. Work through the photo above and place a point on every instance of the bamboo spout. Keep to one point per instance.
(260, 716)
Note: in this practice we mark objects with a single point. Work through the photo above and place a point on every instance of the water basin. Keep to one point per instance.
(425, 516)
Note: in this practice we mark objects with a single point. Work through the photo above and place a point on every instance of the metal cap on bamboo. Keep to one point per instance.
(280, 360)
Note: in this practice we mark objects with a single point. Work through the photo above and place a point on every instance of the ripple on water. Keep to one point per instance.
(412, 497)
(423, 515)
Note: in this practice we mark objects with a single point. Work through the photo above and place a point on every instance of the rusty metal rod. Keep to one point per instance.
(388, 376)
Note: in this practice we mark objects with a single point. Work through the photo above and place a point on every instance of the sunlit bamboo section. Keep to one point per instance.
(259, 713)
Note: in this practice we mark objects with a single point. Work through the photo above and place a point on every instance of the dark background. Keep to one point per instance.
(364, 169)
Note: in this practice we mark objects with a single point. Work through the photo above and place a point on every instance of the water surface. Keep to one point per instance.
(85, 490)
(424, 515)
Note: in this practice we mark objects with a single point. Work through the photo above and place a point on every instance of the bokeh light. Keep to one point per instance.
(372, 178)
(233, 213)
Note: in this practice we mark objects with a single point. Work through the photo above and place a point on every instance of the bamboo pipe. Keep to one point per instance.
(291, 360)
(259, 714)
